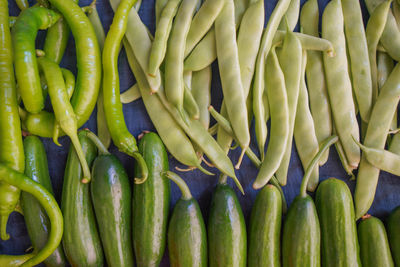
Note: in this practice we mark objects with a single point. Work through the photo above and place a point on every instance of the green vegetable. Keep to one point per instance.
(81, 239)
(393, 231)
(338, 224)
(374, 244)
(187, 240)
(151, 204)
(265, 229)
(227, 240)
(112, 201)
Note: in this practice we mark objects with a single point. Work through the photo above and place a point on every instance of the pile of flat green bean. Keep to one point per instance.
(308, 86)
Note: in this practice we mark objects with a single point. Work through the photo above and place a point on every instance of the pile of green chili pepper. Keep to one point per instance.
(304, 86)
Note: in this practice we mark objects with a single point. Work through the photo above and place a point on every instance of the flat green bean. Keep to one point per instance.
(248, 42)
(163, 29)
(319, 101)
(290, 60)
(395, 144)
(385, 67)
(203, 54)
(391, 34)
(382, 159)
(376, 25)
(159, 6)
(228, 58)
(308, 41)
(130, 95)
(291, 16)
(190, 104)
(304, 131)
(396, 12)
(358, 56)
(258, 80)
(201, 86)
(202, 23)
(279, 110)
(339, 84)
(174, 85)
(378, 128)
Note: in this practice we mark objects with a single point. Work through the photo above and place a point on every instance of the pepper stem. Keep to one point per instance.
(143, 168)
(78, 149)
(96, 140)
(324, 146)
(186, 195)
(3, 227)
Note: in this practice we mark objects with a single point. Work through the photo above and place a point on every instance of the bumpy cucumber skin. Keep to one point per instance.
(374, 244)
(151, 204)
(187, 238)
(393, 229)
(301, 240)
(112, 201)
(335, 208)
(36, 220)
(227, 238)
(81, 238)
(265, 229)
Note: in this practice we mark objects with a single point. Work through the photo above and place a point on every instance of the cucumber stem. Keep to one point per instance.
(186, 195)
(100, 146)
(324, 146)
(223, 179)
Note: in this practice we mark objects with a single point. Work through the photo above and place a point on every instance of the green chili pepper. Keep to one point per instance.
(63, 110)
(11, 147)
(48, 202)
(120, 135)
(24, 34)
(22, 4)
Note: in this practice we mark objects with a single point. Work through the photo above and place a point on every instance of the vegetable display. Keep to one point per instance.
(238, 96)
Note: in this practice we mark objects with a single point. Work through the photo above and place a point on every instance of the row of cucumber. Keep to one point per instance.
(105, 220)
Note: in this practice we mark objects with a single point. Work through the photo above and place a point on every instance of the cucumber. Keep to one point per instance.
(36, 220)
(374, 244)
(265, 229)
(393, 229)
(112, 201)
(226, 229)
(301, 240)
(151, 204)
(338, 224)
(187, 239)
(81, 239)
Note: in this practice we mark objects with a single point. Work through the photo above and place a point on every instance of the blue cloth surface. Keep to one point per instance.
(201, 185)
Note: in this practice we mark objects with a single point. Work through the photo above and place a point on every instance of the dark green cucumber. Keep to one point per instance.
(393, 229)
(81, 239)
(36, 220)
(338, 224)
(265, 229)
(301, 234)
(227, 241)
(374, 244)
(112, 201)
(187, 238)
(151, 204)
